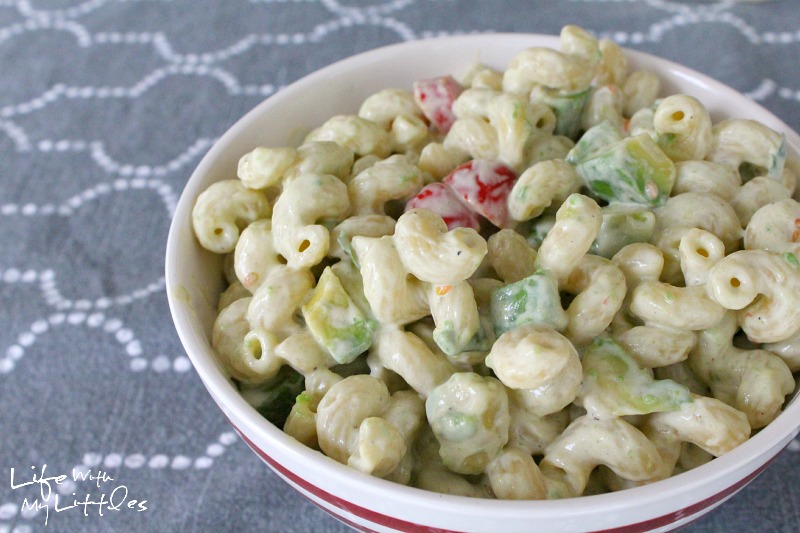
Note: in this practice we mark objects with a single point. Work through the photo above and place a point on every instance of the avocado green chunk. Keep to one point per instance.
(634, 170)
(533, 300)
(594, 142)
(567, 106)
(353, 284)
(274, 399)
(335, 321)
(622, 225)
(615, 385)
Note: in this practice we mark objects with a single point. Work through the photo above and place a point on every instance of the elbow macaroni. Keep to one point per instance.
(303, 202)
(511, 342)
(683, 127)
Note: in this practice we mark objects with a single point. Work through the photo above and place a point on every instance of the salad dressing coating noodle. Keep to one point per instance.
(534, 282)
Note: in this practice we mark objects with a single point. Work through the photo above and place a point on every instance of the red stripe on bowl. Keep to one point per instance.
(680, 514)
(362, 512)
(411, 527)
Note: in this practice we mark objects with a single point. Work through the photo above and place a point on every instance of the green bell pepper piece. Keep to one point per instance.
(568, 108)
(533, 300)
(594, 142)
(622, 225)
(635, 170)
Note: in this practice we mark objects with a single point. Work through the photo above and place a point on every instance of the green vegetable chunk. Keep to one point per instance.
(622, 225)
(335, 321)
(568, 108)
(634, 170)
(615, 385)
(539, 230)
(594, 142)
(275, 398)
(533, 300)
(446, 338)
(353, 284)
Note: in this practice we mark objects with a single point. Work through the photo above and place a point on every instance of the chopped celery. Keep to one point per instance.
(634, 170)
(615, 385)
(622, 225)
(533, 300)
(335, 321)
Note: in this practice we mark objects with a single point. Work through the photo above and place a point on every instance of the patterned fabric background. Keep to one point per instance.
(106, 107)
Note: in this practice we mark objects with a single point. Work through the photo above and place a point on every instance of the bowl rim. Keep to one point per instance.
(752, 454)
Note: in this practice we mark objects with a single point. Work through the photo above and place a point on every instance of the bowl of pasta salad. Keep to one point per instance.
(526, 279)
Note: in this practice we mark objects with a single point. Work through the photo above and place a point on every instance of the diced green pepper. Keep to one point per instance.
(614, 384)
(533, 300)
(568, 108)
(622, 225)
(275, 398)
(634, 170)
(594, 142)
(446, 338)
(335, 320)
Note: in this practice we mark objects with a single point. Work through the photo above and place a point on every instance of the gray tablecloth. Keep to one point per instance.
(105, 108)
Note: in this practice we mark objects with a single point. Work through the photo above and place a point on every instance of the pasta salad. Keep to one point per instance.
(541, 282)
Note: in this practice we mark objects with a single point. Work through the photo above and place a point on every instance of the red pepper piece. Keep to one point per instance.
(435, 98)
(484, 185)
(443, 201)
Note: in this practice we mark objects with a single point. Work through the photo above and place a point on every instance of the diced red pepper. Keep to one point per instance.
(435, 98)
(484, 185)
(443, 201)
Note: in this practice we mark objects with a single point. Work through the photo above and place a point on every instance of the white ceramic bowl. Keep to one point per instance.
(193, 278)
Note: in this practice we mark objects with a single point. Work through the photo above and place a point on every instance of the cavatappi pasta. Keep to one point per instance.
(491, 286)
